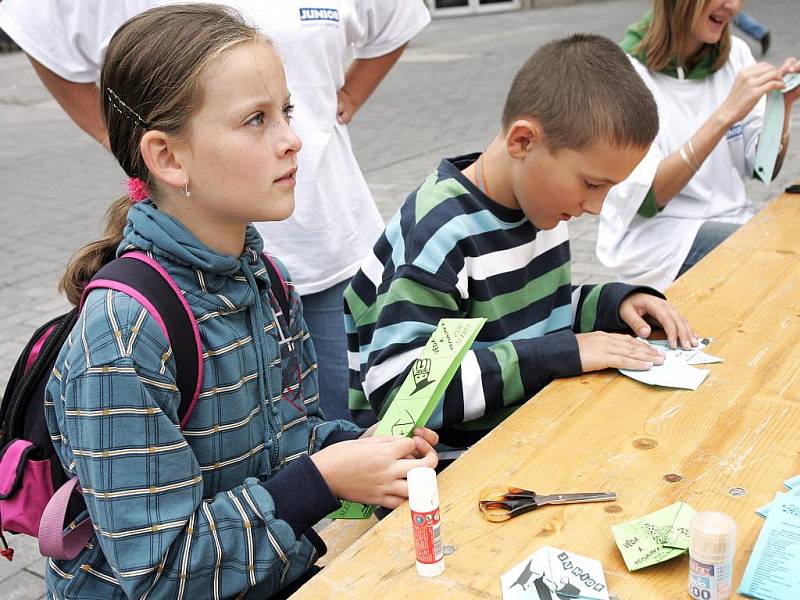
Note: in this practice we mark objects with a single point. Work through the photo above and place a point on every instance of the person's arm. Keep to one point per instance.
(81, 101)
(597, 306)
(392, 331)
(673, 172)
(362, 77)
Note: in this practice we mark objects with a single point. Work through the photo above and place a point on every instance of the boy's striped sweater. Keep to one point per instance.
(451, 251)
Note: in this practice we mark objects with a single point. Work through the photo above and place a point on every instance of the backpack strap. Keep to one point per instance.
(278, 286)
(53, 542)
(142, 278)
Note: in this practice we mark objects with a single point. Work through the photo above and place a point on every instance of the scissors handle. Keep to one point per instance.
(575, 498)
(500, 493)
(504, 510)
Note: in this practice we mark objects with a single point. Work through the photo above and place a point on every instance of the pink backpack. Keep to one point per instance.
(36, 493)
(37, 496)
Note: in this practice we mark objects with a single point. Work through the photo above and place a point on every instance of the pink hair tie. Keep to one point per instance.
(137, 190)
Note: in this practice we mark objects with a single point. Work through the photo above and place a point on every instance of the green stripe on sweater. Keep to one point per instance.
(589, 309)
(509, 367)
(536, 289)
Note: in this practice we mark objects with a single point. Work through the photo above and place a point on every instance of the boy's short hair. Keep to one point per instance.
(583, 89)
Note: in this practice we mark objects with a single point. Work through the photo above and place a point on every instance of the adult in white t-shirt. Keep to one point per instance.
(688, 194)
(335, 222)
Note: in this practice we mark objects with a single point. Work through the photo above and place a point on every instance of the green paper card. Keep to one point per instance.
(421, 390)
(656, 537)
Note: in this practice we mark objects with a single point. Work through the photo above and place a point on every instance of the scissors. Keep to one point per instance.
(499, 503)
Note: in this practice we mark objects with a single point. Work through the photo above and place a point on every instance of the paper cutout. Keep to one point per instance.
(773, 571)
(656, 537)
(792, 484)
(790, 82)
(676, 371)
(553, 574)
(421, 390)
(769, 143)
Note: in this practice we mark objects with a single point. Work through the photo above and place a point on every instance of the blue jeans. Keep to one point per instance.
(710, 235)
(324, 315)
(750, 26)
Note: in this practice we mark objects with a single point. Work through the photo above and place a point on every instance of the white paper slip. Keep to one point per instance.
(682, 376)
(676, 371)
(701, 358)
(553, 574)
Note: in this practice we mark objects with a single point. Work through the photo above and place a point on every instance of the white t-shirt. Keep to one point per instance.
(650, 251)
(335, 222)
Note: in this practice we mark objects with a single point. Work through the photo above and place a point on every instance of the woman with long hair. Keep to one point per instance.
(688, 194)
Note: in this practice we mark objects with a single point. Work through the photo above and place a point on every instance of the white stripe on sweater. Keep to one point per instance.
(474, 400)
(381, 373)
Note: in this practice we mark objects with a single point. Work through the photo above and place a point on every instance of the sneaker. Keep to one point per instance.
(765, 42)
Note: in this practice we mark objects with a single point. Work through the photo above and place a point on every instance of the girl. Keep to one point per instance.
(688, 194)
(336, 221)
(197, 110)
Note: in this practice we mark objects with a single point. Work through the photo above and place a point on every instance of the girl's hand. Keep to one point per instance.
(427, 440)
(790, 65)
(637, 306)
(372, 470)
(751, 84)
(600, 350)
(424, 440)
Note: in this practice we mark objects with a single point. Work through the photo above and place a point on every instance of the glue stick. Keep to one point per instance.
(712, 544)
(423, 500)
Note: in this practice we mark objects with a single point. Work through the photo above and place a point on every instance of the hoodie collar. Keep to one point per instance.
(218, 277)
(631, 42)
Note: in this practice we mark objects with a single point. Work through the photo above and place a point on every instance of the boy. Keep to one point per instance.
(485, 236)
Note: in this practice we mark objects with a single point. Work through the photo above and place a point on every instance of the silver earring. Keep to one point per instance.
(185, 189)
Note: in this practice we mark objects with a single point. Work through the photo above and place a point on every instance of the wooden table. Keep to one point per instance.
(603, 431)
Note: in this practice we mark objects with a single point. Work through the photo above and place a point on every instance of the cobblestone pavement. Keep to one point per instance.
(443, 98)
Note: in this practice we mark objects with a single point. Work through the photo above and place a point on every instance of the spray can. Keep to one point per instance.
(712, 544)
(423, 500)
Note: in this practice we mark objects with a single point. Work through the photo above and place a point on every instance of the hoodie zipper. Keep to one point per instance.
(265, 391)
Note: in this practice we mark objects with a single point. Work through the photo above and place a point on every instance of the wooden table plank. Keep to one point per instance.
(604, 432)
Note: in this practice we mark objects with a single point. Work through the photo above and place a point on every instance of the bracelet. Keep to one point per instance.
(686, 160)
(697, 163)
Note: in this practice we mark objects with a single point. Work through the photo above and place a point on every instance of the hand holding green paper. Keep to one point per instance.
(769, 144)
(421, 390)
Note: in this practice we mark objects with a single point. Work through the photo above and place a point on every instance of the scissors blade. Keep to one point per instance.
(575, 498)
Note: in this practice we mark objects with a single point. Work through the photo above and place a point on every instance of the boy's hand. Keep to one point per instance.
(600, 350)
(637, 306)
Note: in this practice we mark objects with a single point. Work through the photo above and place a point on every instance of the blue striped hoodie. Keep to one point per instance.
(224, 507)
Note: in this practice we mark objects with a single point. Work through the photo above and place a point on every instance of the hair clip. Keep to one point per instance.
(125, 110)
(137, 190)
